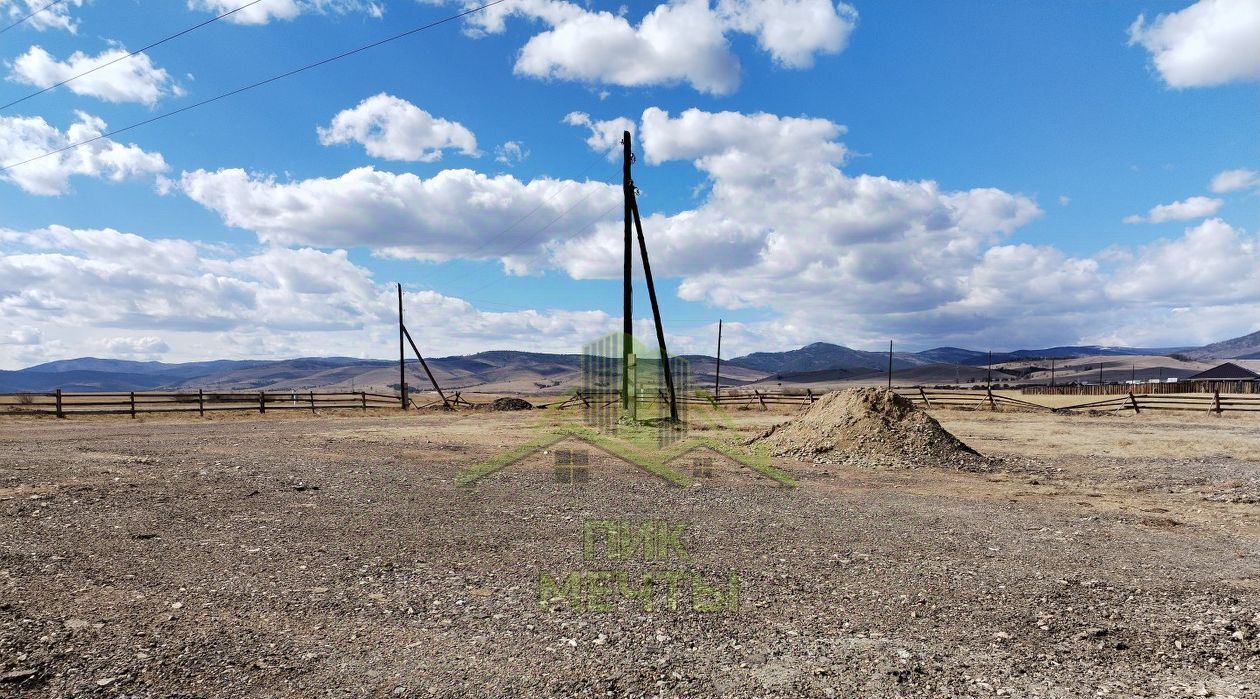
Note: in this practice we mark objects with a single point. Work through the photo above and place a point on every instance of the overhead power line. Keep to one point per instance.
(159, 42)
(260, 83)
(45, 7)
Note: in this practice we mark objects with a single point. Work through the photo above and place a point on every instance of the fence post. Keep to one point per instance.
(1216, 401)
(762, 399)
(363, 399)
(262, 402)
(133, 405)
(312, 402)
(60, 411)
(201, 402)
(810, 395)
(992, 404)
(926, 403)
(1134, 403)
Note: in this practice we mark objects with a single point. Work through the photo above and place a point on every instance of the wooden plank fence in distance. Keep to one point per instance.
(131, 403)
(62, 404)
(936, 398)
(1208, 387)
(1215, 402)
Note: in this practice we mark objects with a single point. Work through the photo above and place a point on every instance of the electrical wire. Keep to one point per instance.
(45, 7)
(251, 86)
(159, 42)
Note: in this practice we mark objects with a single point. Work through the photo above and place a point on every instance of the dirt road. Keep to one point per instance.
(305, 556)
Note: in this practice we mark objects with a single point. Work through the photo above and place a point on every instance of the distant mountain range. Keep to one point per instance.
(532, 372)
(1245, 347)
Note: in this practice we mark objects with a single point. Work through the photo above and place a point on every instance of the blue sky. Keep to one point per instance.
(932, 173)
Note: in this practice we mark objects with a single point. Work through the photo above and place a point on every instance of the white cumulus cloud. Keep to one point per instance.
(605, 135)
(1208, 43)
(133, 80)
(395, 129)
(132, 346)
(511, 153)
(1234, 180)
(683, 41)
(43, 15)
(22, 336)
(792, 31)
(266, 11)
(784, 228)
(71, 292)
(454, 213)
(1212, 263)
(22, 138)
(1184, 210)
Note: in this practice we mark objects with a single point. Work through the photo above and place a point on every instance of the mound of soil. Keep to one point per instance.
(870, 427)
(511, 404)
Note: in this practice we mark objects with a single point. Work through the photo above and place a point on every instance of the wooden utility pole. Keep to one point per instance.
(1052, 371)
(402, 353)
(404, 334)
(628, 402)
(988, 379)
(717, 378)
(890, 365)
(633, 208)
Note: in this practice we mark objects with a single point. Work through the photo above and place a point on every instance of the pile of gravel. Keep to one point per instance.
(511, 404)
(870, 427)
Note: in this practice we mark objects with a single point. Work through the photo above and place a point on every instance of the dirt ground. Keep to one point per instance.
(310, 556)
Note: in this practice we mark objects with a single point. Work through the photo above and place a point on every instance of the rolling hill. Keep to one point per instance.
(1245, 347)
(510, 371)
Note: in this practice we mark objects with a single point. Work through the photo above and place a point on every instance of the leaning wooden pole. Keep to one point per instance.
(656, 311)
(426, 366)
(717, 373)
(402, 353)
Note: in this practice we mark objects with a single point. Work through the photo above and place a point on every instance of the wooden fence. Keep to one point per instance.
(201, 401)
(1245, 387)
(133, 403)
(935, 398)
(1137, 402)
(1199, 402)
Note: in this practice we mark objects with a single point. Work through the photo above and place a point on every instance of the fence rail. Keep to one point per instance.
(1215, 402)
(1179, 387)
(937, 398)
(67, 404)
(118, 403)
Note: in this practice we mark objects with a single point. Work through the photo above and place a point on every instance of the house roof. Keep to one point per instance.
(1228, 371)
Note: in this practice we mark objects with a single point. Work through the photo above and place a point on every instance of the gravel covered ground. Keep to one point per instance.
(335, 556)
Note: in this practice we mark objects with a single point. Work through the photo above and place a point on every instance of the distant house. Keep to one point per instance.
(1228, 371)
